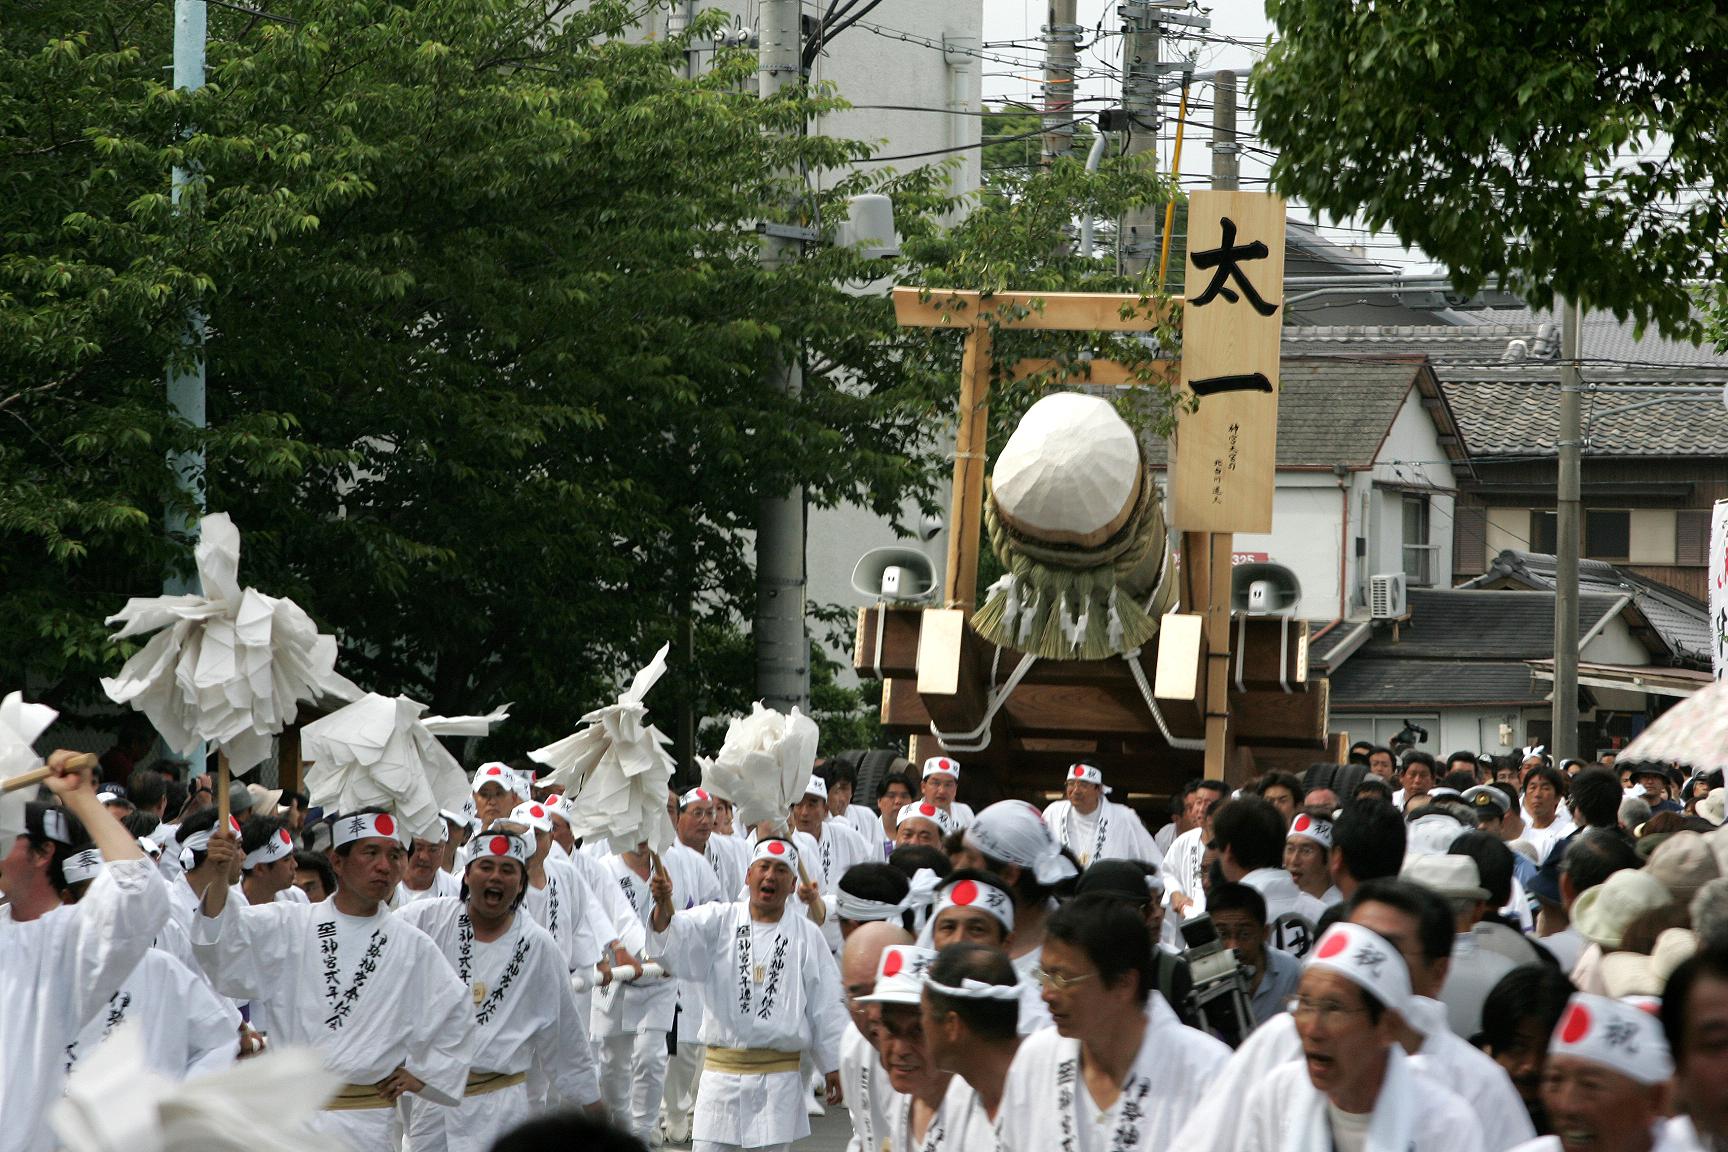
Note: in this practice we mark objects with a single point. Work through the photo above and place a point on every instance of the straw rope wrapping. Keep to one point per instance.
(1065, 602)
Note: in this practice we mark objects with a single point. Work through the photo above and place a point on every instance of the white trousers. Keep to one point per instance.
(711, 1146)
(632, 1075)
(682, 1075)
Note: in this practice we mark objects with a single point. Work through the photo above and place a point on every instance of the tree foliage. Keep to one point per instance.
(1562, 148)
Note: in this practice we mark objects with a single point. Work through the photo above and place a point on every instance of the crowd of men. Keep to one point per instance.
(1392, 954)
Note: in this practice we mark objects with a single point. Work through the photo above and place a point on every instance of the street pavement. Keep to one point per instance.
(827, 1134)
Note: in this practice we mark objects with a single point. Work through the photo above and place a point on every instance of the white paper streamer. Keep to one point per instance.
(764, 764)
(615, 770)
(231, 665)
(20, 726)
(382, 752)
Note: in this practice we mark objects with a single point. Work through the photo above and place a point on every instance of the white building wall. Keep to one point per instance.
(1493, 730)
(1307, 533)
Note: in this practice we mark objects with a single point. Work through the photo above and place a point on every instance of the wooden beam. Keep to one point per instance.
(1274, 718)
(1050, 311)
(899, 656)
(1218, 655)
(1103, 373)
(1271, 653)
(966, 503)
(953, 676)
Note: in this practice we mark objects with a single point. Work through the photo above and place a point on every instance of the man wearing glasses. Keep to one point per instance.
(1118, 1071)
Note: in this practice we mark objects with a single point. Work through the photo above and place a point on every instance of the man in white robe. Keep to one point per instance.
(1607, 1081)
(267, 869)
(1118, 1065)
(870, 1098)
(1355, 1090)
(940, 783)
(60, 964)
(695, 827)
(520, 992)
(1248, 835)
(842, 781)
(423, 877)
(630, 1020)
(771, 991)
(837, 845)
(371, 994)
(919, 1120)
(1418, 924)
(1094, 828)
(971, 1027)
(1187, 853)
(188, 1030)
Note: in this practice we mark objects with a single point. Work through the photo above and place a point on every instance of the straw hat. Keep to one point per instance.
(1683, 863)
(1634, 974)
(1603, 913)
(1074, 518)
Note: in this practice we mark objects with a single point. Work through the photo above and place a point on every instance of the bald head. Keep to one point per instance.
(859, 957)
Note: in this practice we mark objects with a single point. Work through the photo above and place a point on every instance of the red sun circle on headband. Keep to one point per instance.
(282, 835)
(1331, 947)
(927, 809)
(1576, 1025)
(537, 812)
(385, 825)
(776, 848)
(500, 846)
(892, 965)
(1078, 772)
(1302, 823)
(494, 771)
(965, 892)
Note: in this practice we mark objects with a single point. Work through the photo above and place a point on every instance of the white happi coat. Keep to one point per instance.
(1415, 1112)
(706, 890)
(56, 973)
(1112, 832)
(443, 884)
(839, 849)
(729, 859)
(628, 1008)
(1290, 912)
(369, 993)
(968, 1126)
(609, 915)
(188, 1030)
(936, 1131)
(1044, 1099)
(527, 1016)
(796, 1006)
(868, 825)
(1182, 869)
(561, 907)
(1216, 1125)
(870, 1098)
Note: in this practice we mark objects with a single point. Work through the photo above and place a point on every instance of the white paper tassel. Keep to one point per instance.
(616, 769)
(20, 726)
(1028, 618)
(765, 764)
(231, 665)
(381, 752)
(1114, 637)
(115, 1102)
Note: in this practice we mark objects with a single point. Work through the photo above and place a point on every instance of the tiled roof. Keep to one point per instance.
(1365, 682)
(1330, 412)
(1477, 624)
(1682, 622)
(1512, 408)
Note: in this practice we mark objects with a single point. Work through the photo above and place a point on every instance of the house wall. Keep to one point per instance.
(1307, 522)
(1449, 730)
(1411, 461)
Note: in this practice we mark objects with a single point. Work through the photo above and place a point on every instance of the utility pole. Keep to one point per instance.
(1142, 84)
(1564, 739)
(1225, 171)
(186, 383)
(1061, 36)
(782, 648)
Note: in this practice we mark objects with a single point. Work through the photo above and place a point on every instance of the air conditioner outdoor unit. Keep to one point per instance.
(1386, 600)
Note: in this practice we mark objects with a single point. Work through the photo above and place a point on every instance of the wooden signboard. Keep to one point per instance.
(1226, 448)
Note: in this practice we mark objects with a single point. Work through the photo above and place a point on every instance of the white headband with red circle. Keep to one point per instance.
(969, 893)
(941, 766)
(499, 845)
(365, 826)
(277, 847)
(1315, 828)
(776, 852)
(1619, 1036)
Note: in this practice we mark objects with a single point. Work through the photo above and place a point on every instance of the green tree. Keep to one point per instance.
(1554, 148)
(487, 340)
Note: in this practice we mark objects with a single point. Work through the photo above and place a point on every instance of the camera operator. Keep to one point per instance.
(1135, 882)
(1239, 913)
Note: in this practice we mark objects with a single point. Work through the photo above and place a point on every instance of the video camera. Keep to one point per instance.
(1220, 1000)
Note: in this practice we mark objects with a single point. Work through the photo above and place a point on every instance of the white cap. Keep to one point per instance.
(900, 975)
(504, 776)
(1618, 1036)
(532, 813)
(816, 787)
(1366, 959)
(941, 766)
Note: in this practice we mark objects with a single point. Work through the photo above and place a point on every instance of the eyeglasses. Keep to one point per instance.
(1057, 981)
(1321, 1011)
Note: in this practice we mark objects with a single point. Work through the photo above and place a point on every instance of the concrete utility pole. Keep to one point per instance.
(1140, 32)
(1061, 34)
(782, 648)
(186, 385)
(1567, 539)
(1225, 170)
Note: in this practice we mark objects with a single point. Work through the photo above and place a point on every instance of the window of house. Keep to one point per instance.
(1692, 537)
(1420, 556)
(1608, 534)
(1544, 531)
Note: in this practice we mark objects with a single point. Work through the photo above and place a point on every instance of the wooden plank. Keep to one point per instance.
(940, 643)
(1101, 373)
(1271, 653)
(903, 708)
(1226, 448)
(1278, 719)
(1217, 705)
(1338, 748)
(1179, 683)
(899, 642)
(966, 503)
(1050, 311)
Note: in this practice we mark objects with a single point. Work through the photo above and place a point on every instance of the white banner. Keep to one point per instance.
(1719, 588)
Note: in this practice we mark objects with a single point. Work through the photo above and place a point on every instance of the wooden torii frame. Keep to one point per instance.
(1235, 687)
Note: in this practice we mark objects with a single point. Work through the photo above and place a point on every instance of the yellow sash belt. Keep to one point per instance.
(750, 1061)
(480, 1083)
